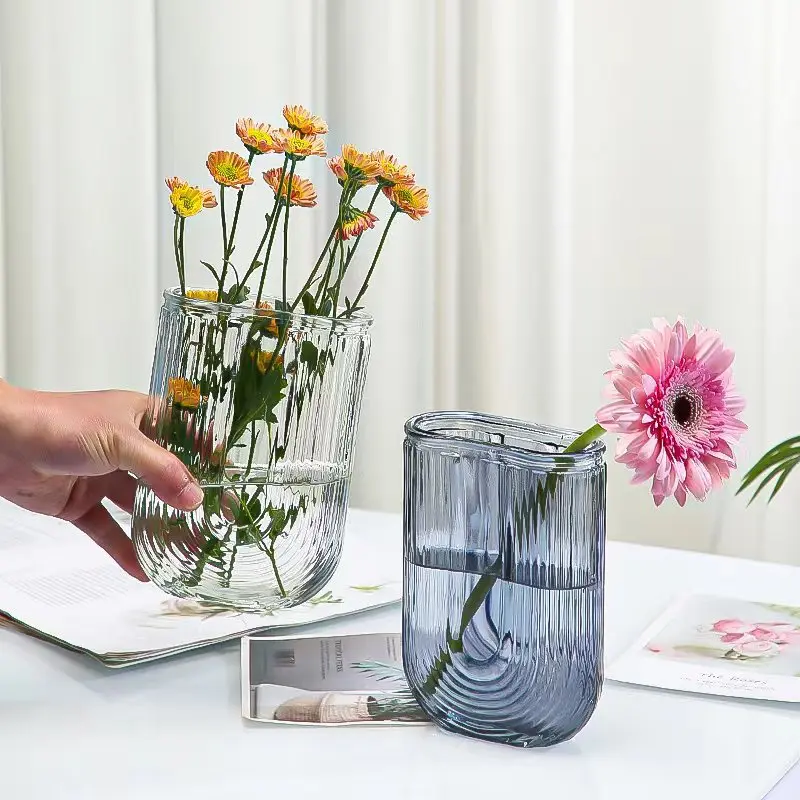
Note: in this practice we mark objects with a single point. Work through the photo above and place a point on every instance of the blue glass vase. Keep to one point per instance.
(504, 565)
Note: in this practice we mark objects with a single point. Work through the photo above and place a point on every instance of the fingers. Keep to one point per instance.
(120, 488)
(100, 526)
(161, 471)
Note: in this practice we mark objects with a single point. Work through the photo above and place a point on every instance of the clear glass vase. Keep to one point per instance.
(263, 407)
(503, 594)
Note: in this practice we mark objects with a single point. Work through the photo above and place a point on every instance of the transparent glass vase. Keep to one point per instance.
(263, 407)
(503, 588)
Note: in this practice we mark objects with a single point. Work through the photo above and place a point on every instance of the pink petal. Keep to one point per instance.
(648, 384)
(698, 481)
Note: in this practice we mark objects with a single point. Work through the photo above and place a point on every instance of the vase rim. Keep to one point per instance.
(359, 322)
(441, 426)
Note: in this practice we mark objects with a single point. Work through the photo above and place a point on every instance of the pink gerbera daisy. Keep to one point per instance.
(675, 408)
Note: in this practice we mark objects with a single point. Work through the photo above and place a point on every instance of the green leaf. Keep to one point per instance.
(479, 594)
(254, 508)
(775, 465)
(327, 597)
(309, 306)
(778, 453)
(309, 354)
(211, 270)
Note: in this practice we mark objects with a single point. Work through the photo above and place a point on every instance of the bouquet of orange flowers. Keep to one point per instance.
(240, 368)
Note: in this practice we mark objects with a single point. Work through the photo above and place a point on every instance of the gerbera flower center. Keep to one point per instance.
(684, 408)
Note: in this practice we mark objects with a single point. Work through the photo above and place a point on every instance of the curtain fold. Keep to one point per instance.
(591, 164)
(78, 113)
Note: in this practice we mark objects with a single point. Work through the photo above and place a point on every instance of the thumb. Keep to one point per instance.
(163, 472)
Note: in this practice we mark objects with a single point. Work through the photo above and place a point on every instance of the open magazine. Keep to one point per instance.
(330, 680)
(59, 586)
(718, 645)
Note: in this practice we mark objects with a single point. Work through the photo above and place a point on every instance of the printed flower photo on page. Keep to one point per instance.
(717, 645)
(755, 636)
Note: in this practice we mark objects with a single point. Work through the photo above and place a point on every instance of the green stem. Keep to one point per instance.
(286, 229)
(585, 439)
(224, 242)
(228, 250)
(178, 265)
(182, 256)
(253, 440)
(272, 227)
(271, 556)
(323, 284)
(269, 551)
(365, 285)
(358, 238)
(311, 277)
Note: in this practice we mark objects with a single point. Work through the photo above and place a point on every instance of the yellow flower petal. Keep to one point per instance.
(186, 200)
(267, 360)
(184, 393)
(209, 295)
(299, 118)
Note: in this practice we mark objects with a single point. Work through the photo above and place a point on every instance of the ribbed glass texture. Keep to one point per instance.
(503, 597)
(266, 420)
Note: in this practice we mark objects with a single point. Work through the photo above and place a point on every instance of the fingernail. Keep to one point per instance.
(192, 494)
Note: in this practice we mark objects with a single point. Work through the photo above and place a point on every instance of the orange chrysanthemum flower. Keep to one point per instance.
(391, 171)
(270, 324)
(297, 145)
(229, 169)
(184, 393)
(411, 200)
(256, 136)
(355, 222)
(209, 295)
(354, 167)
(267, 360)
(336, 165)
(302, 190)
(299, 118)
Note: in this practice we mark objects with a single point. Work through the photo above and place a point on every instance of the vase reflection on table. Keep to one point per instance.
(503, 594)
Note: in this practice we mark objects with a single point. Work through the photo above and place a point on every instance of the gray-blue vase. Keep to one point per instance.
(504, 566)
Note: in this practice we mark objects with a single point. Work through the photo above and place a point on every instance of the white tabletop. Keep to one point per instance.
(71, 728)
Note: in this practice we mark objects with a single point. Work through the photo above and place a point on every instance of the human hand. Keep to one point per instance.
(61, 454)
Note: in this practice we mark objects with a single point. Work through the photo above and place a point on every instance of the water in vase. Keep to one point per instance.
(268, 542)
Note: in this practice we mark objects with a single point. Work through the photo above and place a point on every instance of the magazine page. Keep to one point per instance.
(330, 680)
(53, 579)
(721, 646)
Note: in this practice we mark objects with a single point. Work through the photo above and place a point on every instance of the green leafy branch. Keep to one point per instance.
(774, 466)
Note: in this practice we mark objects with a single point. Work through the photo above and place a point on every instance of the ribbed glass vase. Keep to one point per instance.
(263, 407)
(503, 596)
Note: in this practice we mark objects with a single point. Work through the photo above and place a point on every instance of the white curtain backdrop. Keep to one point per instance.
(592, 163)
